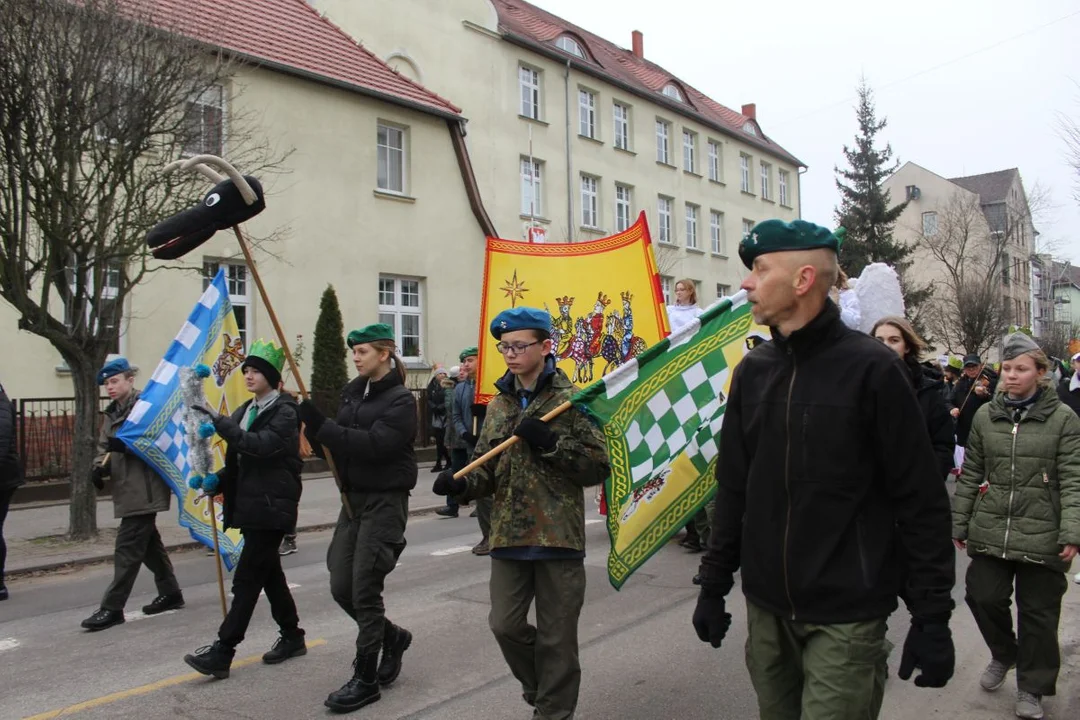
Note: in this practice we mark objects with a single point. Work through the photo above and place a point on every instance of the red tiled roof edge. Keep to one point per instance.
(535, 28)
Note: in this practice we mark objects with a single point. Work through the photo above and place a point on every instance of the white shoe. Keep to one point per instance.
(1077, 578)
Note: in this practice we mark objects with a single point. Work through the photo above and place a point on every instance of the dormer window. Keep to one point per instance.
(569, 45)
(672, 91)
(749, 128)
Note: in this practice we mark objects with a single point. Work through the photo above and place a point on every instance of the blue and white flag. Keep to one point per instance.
(154, 431)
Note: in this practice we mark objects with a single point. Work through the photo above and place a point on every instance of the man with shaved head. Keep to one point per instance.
(829, 499)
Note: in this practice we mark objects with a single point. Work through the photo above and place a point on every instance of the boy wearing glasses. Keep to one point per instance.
(538, 515)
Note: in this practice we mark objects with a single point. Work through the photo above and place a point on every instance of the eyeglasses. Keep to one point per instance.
(514, 349)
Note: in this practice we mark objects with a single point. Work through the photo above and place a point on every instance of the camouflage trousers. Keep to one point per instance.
(803, 671)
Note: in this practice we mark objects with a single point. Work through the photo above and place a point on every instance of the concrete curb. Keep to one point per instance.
(102, 558)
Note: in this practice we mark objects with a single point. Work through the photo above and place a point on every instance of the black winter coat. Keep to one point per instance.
(964, 397)
(11, 475)
(825, 465)
(261, 477)
(1069, 397)
(939, 423)
(372, 438)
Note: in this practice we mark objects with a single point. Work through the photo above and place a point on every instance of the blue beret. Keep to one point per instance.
(522, 318)
(113, 367)
(770, 236)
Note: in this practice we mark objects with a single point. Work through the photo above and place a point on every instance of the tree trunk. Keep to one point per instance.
(82, 517)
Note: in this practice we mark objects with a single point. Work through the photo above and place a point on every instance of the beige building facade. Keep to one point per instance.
(573, 134)
(373, 189)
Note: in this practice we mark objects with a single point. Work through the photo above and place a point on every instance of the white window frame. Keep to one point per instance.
(663, 141)
(723, 290)
(672, 91)
(766, 180)
(570, 46)
(388, 153)
(529, 92)
(746, 174)
(213, 100)
(238, 281)
(587, 114)
(590, 201)
(667, 287)
(624, 206)
(716, 233)
(715, 161)
(747, 227)
(782, 182)
(664, 207)
(689, 141)
(692, 216)
(392, 313)
(621, 125)
(532, 187)
(929, 224)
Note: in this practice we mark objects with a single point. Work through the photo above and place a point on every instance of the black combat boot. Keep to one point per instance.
(213, 660)
(396, 640)
(164, 602)
(362, 689)
(102, 619)
(288, 645)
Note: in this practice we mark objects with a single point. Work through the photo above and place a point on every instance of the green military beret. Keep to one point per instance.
(468, 352)
(771, 236)
(371, 333)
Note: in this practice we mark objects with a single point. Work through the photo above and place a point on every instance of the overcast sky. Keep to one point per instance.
(967, 87)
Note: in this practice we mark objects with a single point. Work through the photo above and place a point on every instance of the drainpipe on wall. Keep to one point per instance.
(468, 177)
(800, 172)
(569, 166)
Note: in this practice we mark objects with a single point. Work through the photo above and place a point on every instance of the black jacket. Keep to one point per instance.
(939, 423)
(1069, 397)
(825, 464)
(261, 477)
(372, 438)
(11, 475)
(964, 397)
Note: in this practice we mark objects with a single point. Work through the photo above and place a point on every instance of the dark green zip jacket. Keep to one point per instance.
(1018, 497)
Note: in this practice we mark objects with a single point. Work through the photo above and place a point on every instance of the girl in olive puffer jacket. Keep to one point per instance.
(1017, 512)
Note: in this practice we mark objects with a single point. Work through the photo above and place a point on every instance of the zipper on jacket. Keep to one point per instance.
(787, 482)
(1012, 490)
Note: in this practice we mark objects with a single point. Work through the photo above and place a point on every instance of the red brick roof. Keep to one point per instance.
(291, 36)
(528, 23)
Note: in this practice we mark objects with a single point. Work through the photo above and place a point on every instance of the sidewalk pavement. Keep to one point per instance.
(35, 533)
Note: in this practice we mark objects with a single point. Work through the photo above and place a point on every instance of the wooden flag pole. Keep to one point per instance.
(505, 444)
(288, 354)
(217, 555)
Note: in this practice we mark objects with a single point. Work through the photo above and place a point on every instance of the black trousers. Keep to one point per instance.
(258, 570)
(442, 454)
(5, 503)
(1034, 647)
(138, 543)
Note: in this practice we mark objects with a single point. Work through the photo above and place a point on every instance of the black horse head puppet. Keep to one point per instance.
(233, 199)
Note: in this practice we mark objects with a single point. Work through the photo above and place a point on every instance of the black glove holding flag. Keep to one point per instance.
(115, 444)
(311, 416)
(537, 433)
(445, 484)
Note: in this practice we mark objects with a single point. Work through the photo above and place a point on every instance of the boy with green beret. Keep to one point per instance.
(538, 515)
(822, 431)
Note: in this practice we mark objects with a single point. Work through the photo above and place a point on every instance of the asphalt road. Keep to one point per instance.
(641, 660)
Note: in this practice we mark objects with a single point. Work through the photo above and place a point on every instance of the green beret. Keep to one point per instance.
(371, 333)
(468, 352)
(522, 318)
(771, 236)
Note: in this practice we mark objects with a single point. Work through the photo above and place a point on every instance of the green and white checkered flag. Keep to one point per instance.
(661, 415)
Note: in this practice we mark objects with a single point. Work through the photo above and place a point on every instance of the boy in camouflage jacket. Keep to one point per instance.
(538, 518)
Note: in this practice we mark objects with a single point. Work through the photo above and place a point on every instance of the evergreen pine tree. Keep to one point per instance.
(328, 371)
(865, 211)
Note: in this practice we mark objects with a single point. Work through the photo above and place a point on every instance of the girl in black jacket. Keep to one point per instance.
(261, 487)
(899, 335)
(371, 442)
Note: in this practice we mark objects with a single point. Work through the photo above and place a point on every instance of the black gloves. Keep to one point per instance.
(311, 416)
(115, 444)
(445, 484)
(929, 647)
(469, 438)
(711, 618)
(97, 476)
(227, 428)
(537, 433)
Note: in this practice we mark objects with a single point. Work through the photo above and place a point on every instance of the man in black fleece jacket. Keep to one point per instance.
(825, 465)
